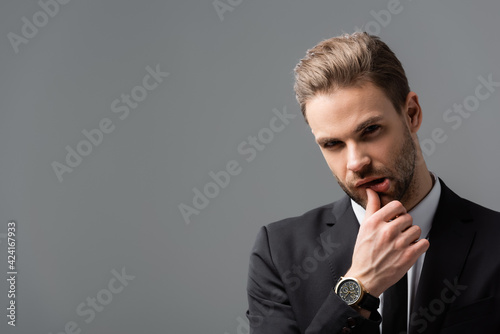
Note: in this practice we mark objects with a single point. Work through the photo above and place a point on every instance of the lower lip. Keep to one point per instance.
(381, 187)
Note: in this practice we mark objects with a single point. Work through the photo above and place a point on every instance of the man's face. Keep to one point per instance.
(365, 142)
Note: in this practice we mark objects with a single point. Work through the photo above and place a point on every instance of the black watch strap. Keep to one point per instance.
(369, 302)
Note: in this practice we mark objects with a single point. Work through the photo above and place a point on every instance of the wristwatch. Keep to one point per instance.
(351, 291)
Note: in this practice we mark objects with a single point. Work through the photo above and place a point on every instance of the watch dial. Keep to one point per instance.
(350, 292)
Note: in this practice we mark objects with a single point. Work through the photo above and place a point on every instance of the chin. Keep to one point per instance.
(385, 199)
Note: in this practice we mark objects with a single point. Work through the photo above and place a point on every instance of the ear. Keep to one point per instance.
(412, 112)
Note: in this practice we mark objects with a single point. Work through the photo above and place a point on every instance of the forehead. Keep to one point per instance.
(341, 112)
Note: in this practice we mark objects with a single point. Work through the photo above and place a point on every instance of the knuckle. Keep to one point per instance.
(413, 230)
(418, 233)
(399, 244)
(421, 247)
(388, 232)
(398, 205)
(395, 204)
(404, 217)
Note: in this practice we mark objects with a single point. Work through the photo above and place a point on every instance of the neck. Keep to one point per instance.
(420, 186)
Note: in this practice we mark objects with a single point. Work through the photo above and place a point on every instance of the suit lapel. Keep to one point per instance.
(450, 238)
(343, 231)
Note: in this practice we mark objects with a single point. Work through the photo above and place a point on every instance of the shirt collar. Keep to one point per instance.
(422, 213)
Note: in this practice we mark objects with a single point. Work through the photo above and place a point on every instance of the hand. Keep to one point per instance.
(386, 246)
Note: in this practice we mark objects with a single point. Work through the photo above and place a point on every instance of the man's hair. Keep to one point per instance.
(349, 61)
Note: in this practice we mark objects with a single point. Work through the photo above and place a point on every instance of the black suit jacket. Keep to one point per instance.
(296, 262)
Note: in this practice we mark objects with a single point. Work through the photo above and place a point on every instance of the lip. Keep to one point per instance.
(364, 181)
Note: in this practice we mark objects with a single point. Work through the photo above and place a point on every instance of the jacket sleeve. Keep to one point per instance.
(270, 310)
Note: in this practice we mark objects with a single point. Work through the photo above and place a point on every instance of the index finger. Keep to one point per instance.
(372, 202)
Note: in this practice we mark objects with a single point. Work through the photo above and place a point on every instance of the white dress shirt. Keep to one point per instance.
(422, 214)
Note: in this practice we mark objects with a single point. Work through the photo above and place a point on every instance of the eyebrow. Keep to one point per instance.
(359, 128)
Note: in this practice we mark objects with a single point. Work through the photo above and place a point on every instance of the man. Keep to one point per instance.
(402, 252)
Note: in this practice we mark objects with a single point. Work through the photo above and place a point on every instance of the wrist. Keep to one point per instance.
(369, 284)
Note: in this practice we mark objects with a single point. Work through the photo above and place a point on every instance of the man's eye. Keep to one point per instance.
(331, 144)
(371, 129)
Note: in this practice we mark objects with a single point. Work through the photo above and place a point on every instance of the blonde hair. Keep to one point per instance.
(347, 61)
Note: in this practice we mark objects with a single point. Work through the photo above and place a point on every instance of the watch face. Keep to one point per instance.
(349, 291)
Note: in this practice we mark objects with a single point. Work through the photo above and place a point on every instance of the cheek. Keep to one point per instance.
(383, 152)
(380, 156)
(336, 165)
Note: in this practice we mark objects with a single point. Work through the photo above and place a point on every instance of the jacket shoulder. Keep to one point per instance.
(296, 234)
(479, 210)
(312, 220)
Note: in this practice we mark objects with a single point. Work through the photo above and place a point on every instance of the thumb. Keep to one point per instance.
(372, 203)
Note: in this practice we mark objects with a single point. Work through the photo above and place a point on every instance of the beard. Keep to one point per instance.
(400, 174)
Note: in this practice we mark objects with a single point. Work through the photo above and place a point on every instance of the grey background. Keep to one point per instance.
(120, 207)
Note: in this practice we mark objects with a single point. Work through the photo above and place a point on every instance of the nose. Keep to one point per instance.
(357, 158)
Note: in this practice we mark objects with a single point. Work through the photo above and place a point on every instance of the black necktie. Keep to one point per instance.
(394, 313)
